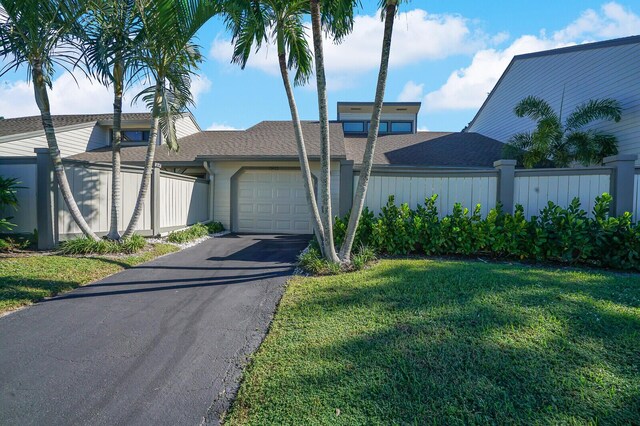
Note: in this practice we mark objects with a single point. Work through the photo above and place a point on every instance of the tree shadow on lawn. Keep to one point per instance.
(453, 343)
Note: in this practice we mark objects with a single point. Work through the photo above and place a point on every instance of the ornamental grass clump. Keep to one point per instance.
(88, 246)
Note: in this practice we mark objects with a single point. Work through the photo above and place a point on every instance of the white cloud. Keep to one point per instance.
(613, 21)
(75, 96)
(468, 87)
(418, 36)
(199, 85)
(411, 92)
(221, 126)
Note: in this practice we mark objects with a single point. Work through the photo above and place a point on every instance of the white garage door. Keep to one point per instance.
(272, 201)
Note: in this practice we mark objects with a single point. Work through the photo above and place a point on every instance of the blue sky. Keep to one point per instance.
(446, 54)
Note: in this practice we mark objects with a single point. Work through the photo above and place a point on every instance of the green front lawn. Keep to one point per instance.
(449, 342)
(27, 279)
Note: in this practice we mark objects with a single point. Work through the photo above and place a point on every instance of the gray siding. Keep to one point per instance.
(608, 72)
(71, 142)
(185, 126)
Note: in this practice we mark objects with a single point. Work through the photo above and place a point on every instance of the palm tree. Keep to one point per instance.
(40, 35)
(109, 47)
(254, 22)
(337, 17)
(170, 59)
(389, 10)
(563, 143)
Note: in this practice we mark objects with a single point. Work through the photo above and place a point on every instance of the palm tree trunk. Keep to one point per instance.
(116, 187)
(302, 150)
(42, 100)
(325, 143)
(148, 163)
(367, 161)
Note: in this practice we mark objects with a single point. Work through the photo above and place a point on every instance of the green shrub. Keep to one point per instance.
(191, 233)
(215, 227)
(85, 245)
(397, 229)
(363, 232)
(8, 198)
(17, 242)
(557, 234)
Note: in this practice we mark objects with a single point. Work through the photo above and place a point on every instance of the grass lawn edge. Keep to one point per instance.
(118, 263)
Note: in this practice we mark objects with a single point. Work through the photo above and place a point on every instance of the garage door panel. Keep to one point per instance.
(283, 209)
(302, 210)
(265, 208)
(272, 201)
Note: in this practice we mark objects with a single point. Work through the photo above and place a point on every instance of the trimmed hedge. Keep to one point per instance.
(557, 234)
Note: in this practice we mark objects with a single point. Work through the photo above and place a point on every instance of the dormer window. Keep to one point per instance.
(401, 127)
(133, 137)
(385, 127)
(353, 126)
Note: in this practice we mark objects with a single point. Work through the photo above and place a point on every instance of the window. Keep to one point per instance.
(353, 126)
(133, 136)
(401, 127)
(383, 127)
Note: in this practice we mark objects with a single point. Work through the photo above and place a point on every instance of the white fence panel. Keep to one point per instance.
(533, 190)
(25, 217)
(91, 188)
(467, 190)
(184, 200)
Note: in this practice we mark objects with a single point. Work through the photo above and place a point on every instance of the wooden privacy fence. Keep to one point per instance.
(174, 201)
(531, 188)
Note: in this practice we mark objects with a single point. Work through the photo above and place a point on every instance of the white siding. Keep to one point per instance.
(71, 142)
(609, 72)
(534, 192)
(91, 188)
(185, 126)
(184, 201)
(413, 190)
(26, 216)
(224, 170)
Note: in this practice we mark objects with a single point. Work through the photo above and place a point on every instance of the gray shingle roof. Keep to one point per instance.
(275, 140)
(266, 139)
(429, 149)
(15, 126)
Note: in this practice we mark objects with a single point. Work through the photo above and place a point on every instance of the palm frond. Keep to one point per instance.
(535, 108)
(595, 109)
(338, 16)
(40, 33)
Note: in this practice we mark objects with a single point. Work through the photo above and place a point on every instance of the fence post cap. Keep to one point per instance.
(620, 157)
(41, 150)
(504, 162)
(157, 165)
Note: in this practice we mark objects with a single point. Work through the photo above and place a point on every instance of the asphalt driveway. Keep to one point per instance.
(161, 344)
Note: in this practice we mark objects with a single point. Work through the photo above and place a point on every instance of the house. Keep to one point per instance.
(256, 176)
(566, 78)
(80, 132)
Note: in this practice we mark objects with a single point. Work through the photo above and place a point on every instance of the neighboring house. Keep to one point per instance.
(256, 174)
(568, 77)
(80, 133)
